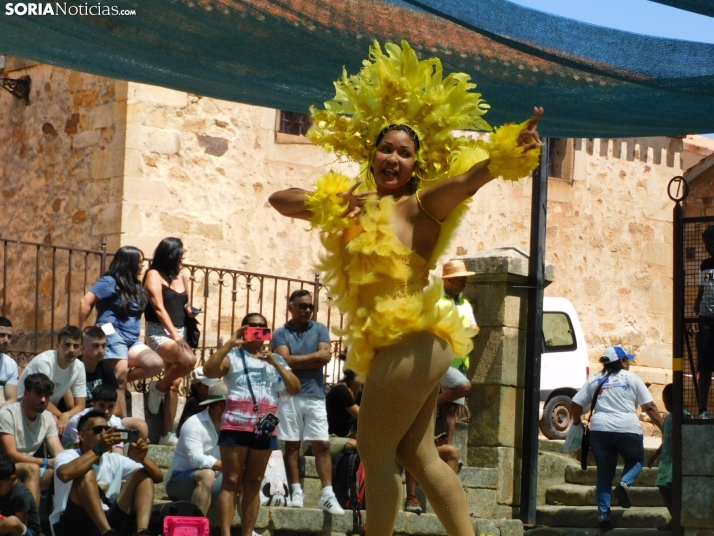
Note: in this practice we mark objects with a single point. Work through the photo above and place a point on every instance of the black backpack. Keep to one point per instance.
(175, 508)
(348, 485)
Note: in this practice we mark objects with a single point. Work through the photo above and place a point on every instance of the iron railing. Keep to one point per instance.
(42, 285)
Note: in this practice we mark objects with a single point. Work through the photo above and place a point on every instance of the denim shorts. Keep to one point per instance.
(235, 438)
(117, 347)
(181, 484)
(156, 334)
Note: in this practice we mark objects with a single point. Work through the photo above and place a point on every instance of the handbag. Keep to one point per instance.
(192, 335)
(585, 446)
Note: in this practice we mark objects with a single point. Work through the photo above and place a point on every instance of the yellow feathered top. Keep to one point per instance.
(383, 287)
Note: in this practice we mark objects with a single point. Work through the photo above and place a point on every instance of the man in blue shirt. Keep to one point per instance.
(305, 346)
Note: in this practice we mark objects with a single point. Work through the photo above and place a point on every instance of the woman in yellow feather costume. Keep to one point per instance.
(383, 233)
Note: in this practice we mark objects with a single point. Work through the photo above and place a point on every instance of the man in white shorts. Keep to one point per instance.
(305, 346)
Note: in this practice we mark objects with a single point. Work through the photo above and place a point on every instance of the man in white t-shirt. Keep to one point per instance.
(104, 399)
(8, 366)
(24, 427)
(88, 484)
(66, 372)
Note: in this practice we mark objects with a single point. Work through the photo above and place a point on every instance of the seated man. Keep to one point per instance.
(448, 453)
(89, 496)
(343, 412)
(24, 427)
(195, 472)
(17, 504)
(104, 399)
(454, 389)
(199, 392)
(66, 372)
(8, 366)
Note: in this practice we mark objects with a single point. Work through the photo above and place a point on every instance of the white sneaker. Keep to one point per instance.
(297, 499)
(155, 398)
(705, 414)
(169, 440)
(329, 504)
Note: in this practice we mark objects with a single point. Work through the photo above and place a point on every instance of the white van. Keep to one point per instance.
(564, 366)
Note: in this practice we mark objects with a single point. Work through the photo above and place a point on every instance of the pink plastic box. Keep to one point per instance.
(186, 526)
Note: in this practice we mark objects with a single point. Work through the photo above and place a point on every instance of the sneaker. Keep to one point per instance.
(297, 499)
(169, 440)
(620, 494)
(412, 504)
(329, 504)
(156, 397)
(604, 525)
(705, 414)
(667, 526)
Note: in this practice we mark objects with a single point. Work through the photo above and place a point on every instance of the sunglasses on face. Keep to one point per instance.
(98, 429)
(306, 306)
(256, 325)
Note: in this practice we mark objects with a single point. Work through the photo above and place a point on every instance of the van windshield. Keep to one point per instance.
(558, 333)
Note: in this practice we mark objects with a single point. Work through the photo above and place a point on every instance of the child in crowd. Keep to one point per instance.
(18, 509)
(664, 453)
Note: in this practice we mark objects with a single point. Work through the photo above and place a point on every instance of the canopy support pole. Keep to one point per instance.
(534, 339)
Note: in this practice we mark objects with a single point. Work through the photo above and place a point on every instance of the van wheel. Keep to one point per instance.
(556, 417)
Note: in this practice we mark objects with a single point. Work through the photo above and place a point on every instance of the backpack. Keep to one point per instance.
(161, 511)
(274, 488)
(348, 485)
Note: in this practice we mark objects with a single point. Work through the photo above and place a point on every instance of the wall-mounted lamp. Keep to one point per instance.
(19, 87)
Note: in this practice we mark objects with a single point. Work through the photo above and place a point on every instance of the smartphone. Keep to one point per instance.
(128, 435)
(257, 334)
(266, 425)
(195, 310)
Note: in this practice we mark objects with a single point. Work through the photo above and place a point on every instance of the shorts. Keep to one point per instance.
(117, 347)
(337, 444)
(156, 334)
(705, 345)
(236, 438)
(75, 517)
(181, 484)
(303, 418)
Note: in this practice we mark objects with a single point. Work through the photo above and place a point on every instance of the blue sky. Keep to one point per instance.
(639, 16)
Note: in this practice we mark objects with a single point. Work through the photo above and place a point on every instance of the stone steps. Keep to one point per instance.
(575, 475)
(571, 531)
(587, 517)
(579, 495)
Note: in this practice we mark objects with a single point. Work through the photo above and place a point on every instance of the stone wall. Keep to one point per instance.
(60, 181)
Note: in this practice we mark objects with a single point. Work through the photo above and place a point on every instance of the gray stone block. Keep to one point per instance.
(697, 500)
(307, 467)
(697, 451)
(161, 455)
(481, 502)
(479, 477)
(299, 519)
(511, 527)
(487, 527)
(427, 524)
(263, 521)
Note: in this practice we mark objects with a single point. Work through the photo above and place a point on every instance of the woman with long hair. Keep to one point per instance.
(120, 300)
(165, 315)
(254, 377)
(615, 428)
(383, 234)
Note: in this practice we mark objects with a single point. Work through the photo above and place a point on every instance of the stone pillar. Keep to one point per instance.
(500, 298)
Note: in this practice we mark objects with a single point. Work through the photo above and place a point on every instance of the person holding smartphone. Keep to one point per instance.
(254, 378)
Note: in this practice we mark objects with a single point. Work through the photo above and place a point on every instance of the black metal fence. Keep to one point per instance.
(42, 285)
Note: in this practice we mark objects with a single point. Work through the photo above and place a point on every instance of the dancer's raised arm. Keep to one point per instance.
(291, 203)
(441, 199)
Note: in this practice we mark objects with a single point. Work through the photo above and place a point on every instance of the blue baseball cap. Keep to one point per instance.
(615, 353)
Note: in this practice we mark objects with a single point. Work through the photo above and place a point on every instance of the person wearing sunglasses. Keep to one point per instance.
(89, 497)
(305, 346)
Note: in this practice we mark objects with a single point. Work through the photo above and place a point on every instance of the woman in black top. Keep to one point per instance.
(165, 315)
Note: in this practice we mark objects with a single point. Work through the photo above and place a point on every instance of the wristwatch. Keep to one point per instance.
(98, 450)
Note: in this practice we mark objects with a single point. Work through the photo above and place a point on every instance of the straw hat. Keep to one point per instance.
(455, 268)
(216, 393)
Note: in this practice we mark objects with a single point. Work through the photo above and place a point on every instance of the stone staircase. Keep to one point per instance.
(479, 484)
(571, 507)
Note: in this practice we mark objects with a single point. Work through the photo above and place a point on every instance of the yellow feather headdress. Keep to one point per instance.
(397, 89)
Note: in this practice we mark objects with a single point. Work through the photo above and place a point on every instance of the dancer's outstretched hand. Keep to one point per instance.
(355, 201)
(529, 138)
